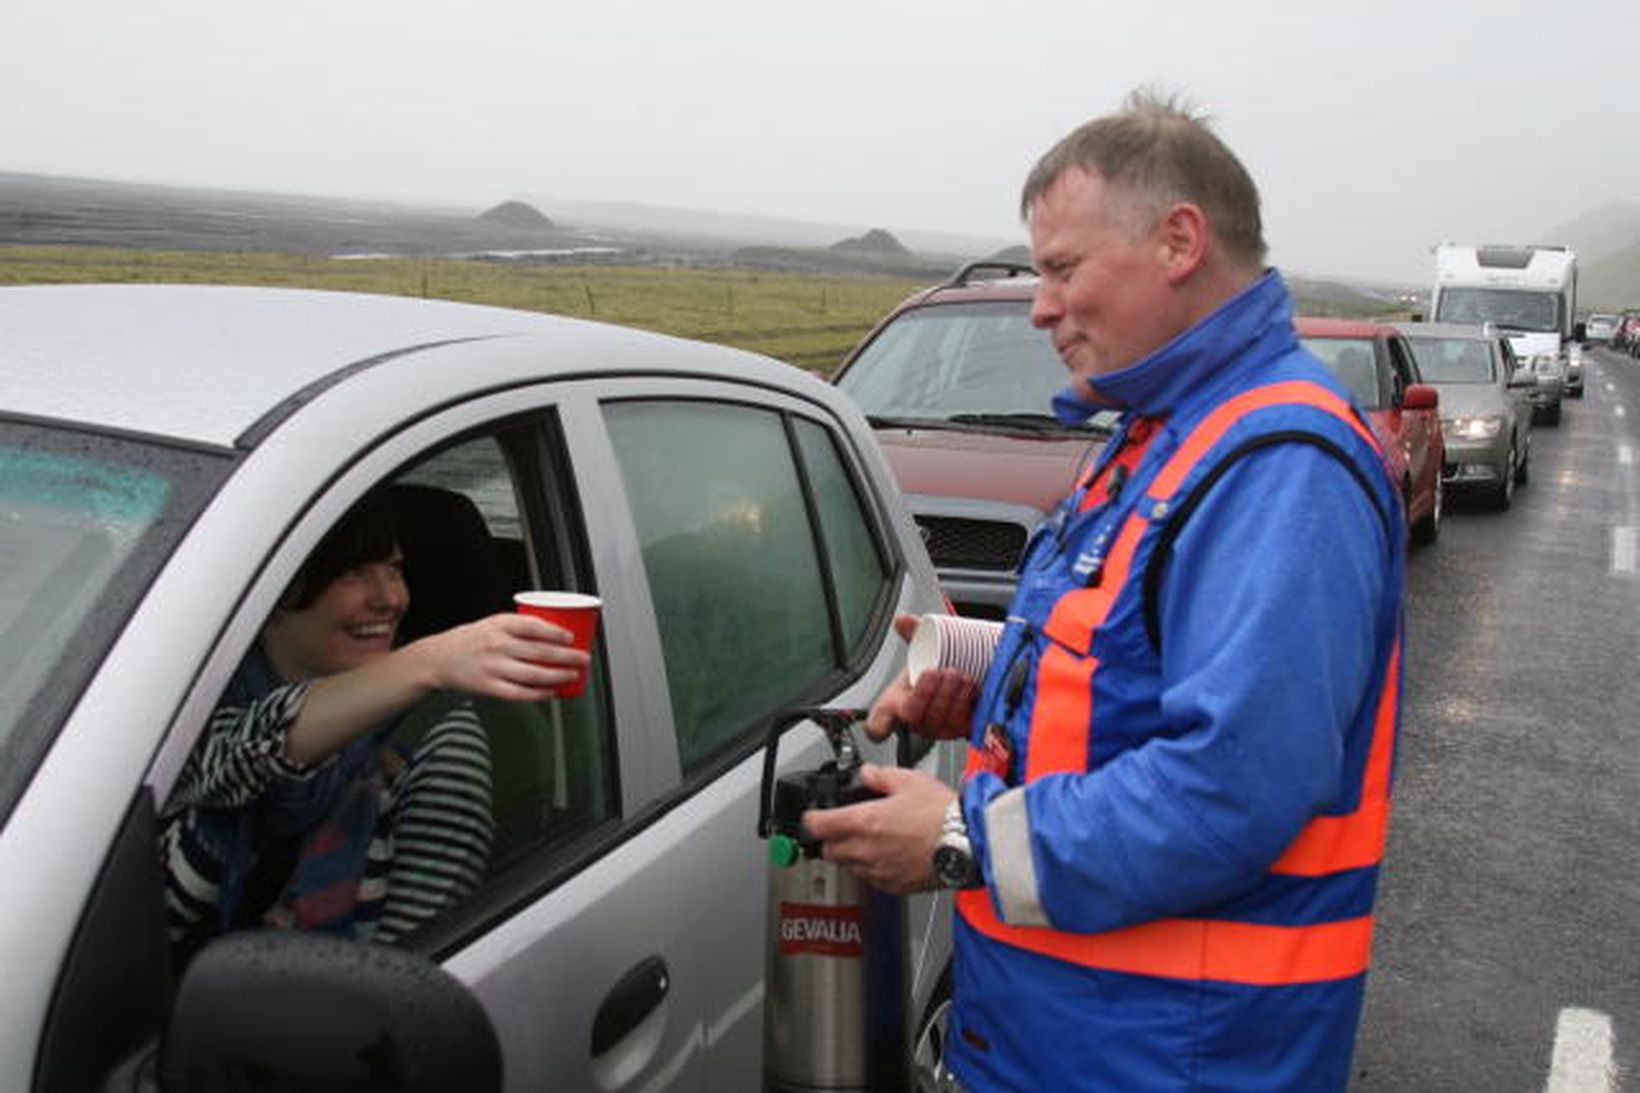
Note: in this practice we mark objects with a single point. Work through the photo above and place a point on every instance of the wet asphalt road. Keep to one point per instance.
(1512, 890)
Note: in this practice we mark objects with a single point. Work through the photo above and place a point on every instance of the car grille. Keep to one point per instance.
(958, 543)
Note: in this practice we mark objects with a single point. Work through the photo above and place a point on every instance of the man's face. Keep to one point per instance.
(1105, 296)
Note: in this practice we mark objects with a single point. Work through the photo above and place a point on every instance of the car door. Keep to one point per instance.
(1509, 366)
(570, 876)
(1419, 430)
(749, 555)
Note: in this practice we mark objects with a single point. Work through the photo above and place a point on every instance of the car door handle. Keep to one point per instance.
(632, 999)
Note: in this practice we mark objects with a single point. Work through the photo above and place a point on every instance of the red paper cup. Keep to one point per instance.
(573, 611)
(951, 641)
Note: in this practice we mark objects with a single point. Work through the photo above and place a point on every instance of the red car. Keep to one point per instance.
(1374, 361)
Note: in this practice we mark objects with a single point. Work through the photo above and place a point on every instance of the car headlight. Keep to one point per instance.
(1473, 428)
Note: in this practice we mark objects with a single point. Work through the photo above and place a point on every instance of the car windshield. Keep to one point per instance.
(84, 522)
(971, 364)
(1351, 360)
(1453, 360)
(1512, 308)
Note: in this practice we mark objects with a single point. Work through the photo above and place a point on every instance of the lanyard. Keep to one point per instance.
(996, 752)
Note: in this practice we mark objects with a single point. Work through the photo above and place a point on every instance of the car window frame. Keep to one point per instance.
(528, 406)
(1403, 368)
(648, 774)
(749, 738)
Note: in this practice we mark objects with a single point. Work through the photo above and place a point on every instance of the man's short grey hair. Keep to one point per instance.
(1152, 154)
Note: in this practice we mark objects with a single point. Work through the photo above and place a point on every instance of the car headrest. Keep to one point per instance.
(450, 561)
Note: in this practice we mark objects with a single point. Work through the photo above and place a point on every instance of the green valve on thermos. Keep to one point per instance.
(784, 850)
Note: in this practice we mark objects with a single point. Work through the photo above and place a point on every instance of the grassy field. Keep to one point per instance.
(808, 320)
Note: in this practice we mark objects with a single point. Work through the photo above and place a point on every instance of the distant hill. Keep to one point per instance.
(875, 241)
(843, 261)
(1607, 242)
(1599, 233)
(1612, 283)
(518, 214)
(743, 229)
(43, 210)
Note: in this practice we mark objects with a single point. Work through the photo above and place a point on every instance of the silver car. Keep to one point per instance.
(1486, 405)
(169, 455)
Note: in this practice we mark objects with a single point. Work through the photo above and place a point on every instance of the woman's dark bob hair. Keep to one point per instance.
(369, 532)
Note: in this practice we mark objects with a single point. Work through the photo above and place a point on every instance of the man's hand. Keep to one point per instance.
(938, 707)
(888, 843)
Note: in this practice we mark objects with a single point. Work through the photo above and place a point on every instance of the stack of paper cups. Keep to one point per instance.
(951, 641)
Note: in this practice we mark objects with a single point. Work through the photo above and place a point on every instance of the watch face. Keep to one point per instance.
(955, 868)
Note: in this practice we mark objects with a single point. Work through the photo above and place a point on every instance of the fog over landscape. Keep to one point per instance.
(1374, 129)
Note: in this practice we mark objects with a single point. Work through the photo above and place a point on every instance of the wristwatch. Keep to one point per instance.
(954, 864)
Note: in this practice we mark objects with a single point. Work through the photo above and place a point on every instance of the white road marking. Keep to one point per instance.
(1623, 543)
(1619, 411)
(1625, 455)
(1582, 1061)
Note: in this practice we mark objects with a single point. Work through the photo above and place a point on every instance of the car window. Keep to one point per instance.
(935, 361)
(1517, 309)
(469, 549)
(742, 576)
(85, 522)
(1453, 360)
(851, 551)
(1352, 361)
(467, 519)
(1402, 363)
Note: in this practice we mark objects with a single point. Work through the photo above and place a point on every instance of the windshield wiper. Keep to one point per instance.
(1034, 422)
(884, 421)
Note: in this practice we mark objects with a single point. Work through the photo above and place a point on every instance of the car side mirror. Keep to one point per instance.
(1522, 377)
(1420, 396)
(285, 1010)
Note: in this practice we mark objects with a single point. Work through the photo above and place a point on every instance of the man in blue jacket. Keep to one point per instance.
(1166, 845)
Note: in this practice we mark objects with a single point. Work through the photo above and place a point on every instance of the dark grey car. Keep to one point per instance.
(1486, 412)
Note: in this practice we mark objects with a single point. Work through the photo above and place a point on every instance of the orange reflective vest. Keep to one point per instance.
(1062, 720)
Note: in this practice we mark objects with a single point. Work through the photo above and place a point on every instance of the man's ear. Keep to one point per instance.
(1183, 236)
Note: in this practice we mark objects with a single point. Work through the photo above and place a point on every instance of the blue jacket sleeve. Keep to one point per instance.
(1272, 614)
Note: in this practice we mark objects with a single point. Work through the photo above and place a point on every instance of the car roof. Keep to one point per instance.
(206, 363)
(1312, 326)
(1448, 330)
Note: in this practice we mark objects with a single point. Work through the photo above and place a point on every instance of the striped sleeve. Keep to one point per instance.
(193, 876)
(242, 753)
(439, 829)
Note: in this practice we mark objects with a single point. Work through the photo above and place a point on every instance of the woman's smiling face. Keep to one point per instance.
(352, 622)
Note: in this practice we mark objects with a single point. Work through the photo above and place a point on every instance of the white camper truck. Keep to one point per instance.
(1528, 291)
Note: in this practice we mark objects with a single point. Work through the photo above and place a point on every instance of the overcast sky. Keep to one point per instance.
(1374, 129)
